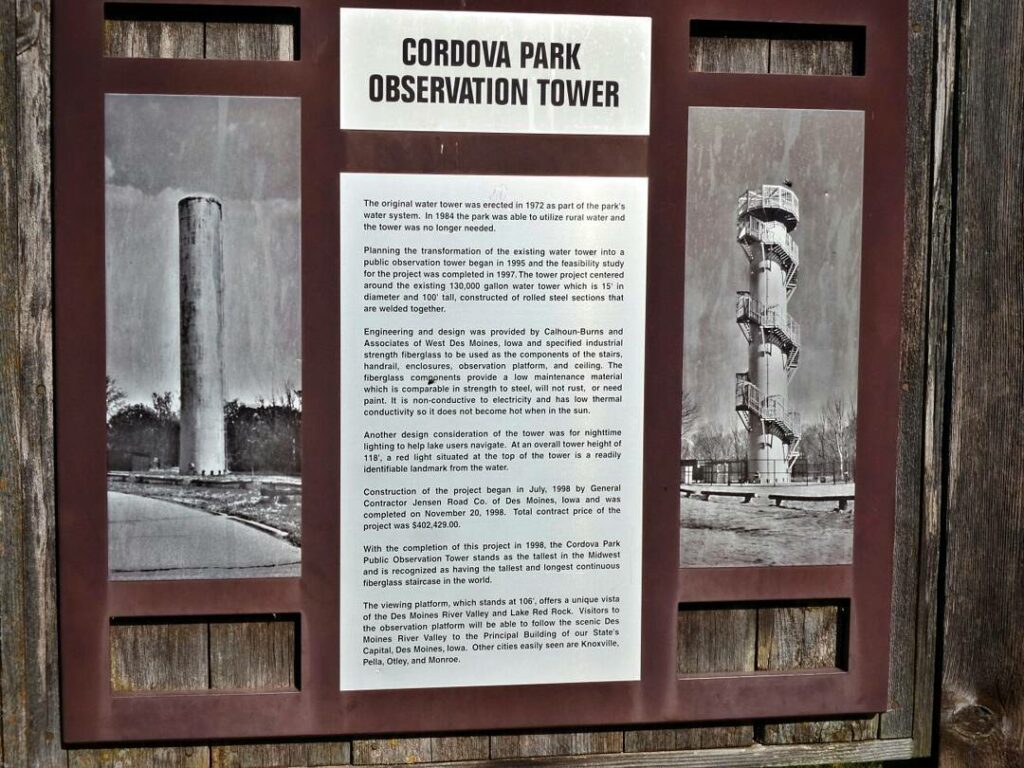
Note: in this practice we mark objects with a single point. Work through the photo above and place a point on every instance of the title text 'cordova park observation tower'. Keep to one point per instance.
(765, 219)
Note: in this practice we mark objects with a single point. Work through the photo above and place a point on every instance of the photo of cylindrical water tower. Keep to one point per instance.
(769, 410)
(204, 394)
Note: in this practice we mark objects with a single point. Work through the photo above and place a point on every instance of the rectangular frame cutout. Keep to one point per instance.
(747, 637)
(278, 21)
(201, 654)
(778, 40)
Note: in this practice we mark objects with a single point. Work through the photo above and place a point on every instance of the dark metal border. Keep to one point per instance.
(91, 714)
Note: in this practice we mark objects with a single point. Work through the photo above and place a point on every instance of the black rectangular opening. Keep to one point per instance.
(280, 19)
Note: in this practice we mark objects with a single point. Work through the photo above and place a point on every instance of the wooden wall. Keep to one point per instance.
(959, 472)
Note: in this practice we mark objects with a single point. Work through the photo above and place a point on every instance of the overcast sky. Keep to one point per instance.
(730, 151)
(246, 152)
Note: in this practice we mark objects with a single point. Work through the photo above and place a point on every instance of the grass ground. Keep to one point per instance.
(281, 512)
(727, 532)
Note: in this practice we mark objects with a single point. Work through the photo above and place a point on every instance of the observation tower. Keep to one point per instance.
(201, 275)
(765, 218)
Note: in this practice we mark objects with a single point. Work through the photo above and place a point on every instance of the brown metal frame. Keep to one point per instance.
(88, 600)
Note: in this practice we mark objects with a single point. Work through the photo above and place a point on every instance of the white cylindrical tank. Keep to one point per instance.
(201, 278)
(767, 453)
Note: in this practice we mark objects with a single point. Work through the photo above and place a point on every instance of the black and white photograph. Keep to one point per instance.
(768, 458)
(203, 336)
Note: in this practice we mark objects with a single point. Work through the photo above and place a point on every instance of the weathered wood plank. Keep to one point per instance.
(916, 545)
(250, 42)
(27, 568)
(756, 756)
(253, 655)
(10, 480)
(805, 638)
(729, 54)
(153, 39)
(810, 57)
(437, 749)
(690, 738)
(385, 751)
(159, 657)
(798, 637)
(982, 716)
(295, 755)
(716, 640)
(455, 748)
(549, 744)
(155, 757)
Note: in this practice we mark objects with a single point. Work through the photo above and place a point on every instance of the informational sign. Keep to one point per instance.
(492, 380)
(474, 350)
(494, 72)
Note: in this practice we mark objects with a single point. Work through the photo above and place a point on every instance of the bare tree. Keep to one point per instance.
(164, 406)
(711, 442)
(115, 398)
(691, 412)
(836, 433)
(738, 444)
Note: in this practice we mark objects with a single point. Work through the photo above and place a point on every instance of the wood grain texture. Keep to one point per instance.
(298, 754)
(153, 39)
(10, 478)
(916, 543)
(805, 638)
(385, 751)
(756, 756)
(688, 738)
(28, 618)
(159, 657)
(455, 748)
(425, 750)
(798, 637)
(982, 717)
(250, 42)
(728, 54)
(154, 757)
(547, 744)
(810, 57)
(716, 640)
(253, 655)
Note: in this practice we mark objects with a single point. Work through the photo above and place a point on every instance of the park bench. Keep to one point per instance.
(841, 499)
(221, 482)
(160, 480)
(707, 493)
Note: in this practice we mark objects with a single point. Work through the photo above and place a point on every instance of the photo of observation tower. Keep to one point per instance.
(766, 217)
(771, 329)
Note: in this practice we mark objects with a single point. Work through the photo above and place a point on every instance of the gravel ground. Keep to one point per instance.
(726, 532)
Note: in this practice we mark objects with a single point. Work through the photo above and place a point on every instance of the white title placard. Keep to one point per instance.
(494, 72)
(492, 376)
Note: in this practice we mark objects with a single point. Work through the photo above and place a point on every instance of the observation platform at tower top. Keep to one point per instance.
(771, 202)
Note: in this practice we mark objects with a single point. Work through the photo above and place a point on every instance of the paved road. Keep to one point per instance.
(156, 539)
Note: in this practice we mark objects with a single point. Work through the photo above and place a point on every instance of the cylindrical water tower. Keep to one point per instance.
(201, 278)
(765, 219)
